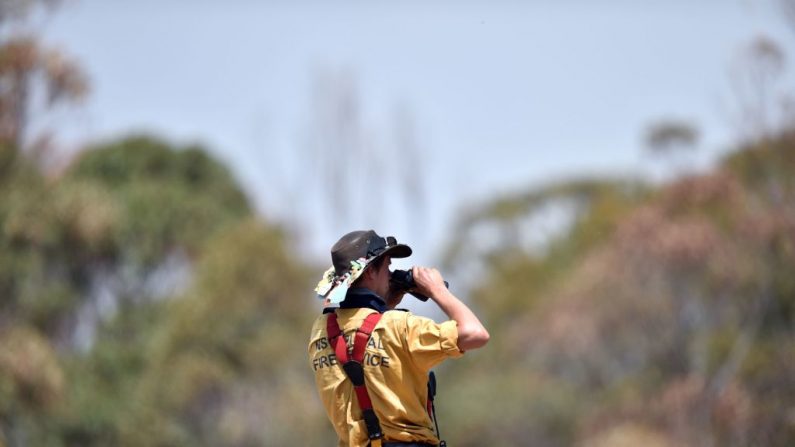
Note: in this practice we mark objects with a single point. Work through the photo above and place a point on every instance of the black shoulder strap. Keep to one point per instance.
(432, 406)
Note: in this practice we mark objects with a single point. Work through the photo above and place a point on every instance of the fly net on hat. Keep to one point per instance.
(350, 256)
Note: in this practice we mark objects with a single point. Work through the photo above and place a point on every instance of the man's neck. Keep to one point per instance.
(363, 297)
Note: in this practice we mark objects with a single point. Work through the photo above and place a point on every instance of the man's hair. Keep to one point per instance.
(377, 263)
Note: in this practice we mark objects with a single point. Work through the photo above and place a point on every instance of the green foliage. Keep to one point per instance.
(517, 278)
(115, 217)
(169, 197)
(766, 166)
(222, 363)
(597, 206)
(528, 403)
(48, 237)
(665, 313)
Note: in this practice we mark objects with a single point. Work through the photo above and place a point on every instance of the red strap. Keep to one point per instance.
(363, 397)
(336, 338)
(363, 336)
(360, 340)
(332, 328)
(359, 346)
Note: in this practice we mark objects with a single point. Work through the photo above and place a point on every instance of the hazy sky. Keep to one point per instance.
(503, 94)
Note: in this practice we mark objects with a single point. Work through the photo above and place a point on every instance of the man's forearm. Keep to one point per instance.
(471, 333)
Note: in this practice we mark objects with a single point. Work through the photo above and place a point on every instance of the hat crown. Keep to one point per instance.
(351, 247)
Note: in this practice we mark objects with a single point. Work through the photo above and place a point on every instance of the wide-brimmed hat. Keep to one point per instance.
(350, 256)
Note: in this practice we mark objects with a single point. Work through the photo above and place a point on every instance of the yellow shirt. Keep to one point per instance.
(402, 350)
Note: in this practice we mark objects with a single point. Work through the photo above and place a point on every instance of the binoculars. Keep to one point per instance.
(403, 281)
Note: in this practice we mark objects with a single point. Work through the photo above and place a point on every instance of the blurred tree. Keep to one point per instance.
(666, 136)
(222, 366)
(31, 383)
(674, 141)
(167, 201)
(510, 231)
(84, 255)
(760, 103)
(29, 75)
(675, 322)
(22, 63)
(174, 197)
(124, 219)
(11, 10)
(34, 227)
(512, 279)
(788, 6)
(86, 252)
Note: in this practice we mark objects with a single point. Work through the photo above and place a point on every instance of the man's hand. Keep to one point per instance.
(429, 281)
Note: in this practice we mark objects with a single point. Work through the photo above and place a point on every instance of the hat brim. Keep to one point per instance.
(397, 251)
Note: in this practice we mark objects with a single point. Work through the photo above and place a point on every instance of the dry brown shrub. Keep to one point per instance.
(28, 360)
(629, 434)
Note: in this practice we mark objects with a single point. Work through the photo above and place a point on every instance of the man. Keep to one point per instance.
(391, 408)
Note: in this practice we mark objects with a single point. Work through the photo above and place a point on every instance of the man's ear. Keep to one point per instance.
(370, 272)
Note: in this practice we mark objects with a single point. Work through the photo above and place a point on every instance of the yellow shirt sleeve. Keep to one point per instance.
(429, 342)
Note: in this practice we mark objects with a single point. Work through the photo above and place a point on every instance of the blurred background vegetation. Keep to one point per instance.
(145, 303)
